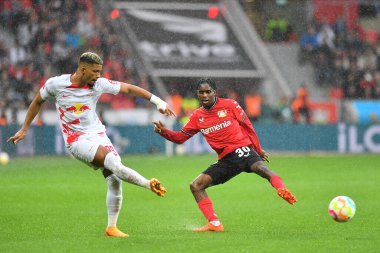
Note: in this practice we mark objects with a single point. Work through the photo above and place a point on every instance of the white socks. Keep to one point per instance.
(112, 163)
(114, 199)
(215, 223)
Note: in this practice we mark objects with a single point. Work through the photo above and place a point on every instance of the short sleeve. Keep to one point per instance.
(108, 86)
(48, 90)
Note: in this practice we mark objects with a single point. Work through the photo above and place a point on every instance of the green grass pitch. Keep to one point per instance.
(57, 204)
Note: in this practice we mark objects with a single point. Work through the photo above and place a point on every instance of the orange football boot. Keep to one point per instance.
(115, 232)
(285, 194)
(157, 187)
(210, 227)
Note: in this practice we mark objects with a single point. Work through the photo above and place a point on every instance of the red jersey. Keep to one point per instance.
(225, 126)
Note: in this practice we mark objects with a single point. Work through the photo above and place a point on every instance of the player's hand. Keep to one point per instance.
(167, 111)
(20, 135)
(264, 155)
(158, 126)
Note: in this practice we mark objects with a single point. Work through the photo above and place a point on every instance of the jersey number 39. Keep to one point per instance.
(243, 151)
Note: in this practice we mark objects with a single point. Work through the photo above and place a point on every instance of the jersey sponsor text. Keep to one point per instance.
(217, 127)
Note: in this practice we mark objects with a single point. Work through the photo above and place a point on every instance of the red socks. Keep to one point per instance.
(207, 209)
(205, 205)
(276, 182)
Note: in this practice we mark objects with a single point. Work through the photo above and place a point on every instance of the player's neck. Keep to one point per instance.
(208, 107)
(75, 79)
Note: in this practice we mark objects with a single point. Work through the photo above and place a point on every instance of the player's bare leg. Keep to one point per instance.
(262, 170)
(198, 187)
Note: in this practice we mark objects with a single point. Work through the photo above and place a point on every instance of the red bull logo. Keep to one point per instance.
(78, 108)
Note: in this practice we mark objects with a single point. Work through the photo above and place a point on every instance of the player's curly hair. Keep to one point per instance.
(90, 57)
(205, 80)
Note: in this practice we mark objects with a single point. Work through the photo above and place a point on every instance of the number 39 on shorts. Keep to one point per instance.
(243, 151)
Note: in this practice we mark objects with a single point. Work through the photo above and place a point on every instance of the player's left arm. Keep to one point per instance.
(162, 106)
(246, 124)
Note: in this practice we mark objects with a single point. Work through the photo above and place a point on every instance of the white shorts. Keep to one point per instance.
(85, 148)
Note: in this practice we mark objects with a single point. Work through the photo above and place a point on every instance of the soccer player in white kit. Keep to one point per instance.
(75, 98)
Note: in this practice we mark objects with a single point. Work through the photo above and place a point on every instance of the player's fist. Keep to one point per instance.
(167, 111)
(158, 126)
(20, 135)
(162, 106)
(264, 155)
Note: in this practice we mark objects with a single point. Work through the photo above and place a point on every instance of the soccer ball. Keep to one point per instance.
(342, 208)
(4, 158)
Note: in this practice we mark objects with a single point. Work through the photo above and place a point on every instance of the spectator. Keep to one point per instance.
(351, 86)
(17, 53)
(367, 85)
(326, 37)
(285, 110)
(49, 33)
(323, 70)
(367, 59)
(277, 29)
(176, 103)
(301, 107)
(309, 45)
(3, 119)
(253, 105)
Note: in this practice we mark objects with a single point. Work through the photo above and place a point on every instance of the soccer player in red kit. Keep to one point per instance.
(229, 132)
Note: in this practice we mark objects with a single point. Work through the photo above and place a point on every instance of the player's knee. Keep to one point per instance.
(106, 173)
(196, 186)
(100, 156)
(112, 162)
(261, 169)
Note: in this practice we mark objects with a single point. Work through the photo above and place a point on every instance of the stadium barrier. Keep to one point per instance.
(341, 138)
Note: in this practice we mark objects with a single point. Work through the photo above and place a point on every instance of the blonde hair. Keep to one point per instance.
(90, 57)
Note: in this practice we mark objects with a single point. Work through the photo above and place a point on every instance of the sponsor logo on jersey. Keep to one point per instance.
(201, 119)
(222, 113)
(78, 108)
(112, 81)
(215, 128)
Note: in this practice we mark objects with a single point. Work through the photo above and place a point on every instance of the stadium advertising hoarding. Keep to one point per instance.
(184, 40)
(358, 139)
(342, 138)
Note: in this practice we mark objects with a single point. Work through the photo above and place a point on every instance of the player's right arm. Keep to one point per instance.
(33, 110)
(176, 137)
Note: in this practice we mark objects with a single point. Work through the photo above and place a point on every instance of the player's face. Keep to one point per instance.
(91, 73)
(206, 94)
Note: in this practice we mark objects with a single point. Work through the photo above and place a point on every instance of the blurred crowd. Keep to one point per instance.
(296, 110)
(40, 39)
(345, 60)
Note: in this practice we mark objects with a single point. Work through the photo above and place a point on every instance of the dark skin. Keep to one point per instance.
(207, 96)
(86, 73)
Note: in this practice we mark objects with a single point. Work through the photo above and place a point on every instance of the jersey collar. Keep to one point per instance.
(212, 106)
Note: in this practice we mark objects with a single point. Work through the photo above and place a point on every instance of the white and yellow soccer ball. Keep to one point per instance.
(342, 208)
(4, 158)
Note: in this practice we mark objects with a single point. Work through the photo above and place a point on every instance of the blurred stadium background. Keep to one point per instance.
(307, 72)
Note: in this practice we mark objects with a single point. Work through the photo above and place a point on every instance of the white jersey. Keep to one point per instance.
(76, 105)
